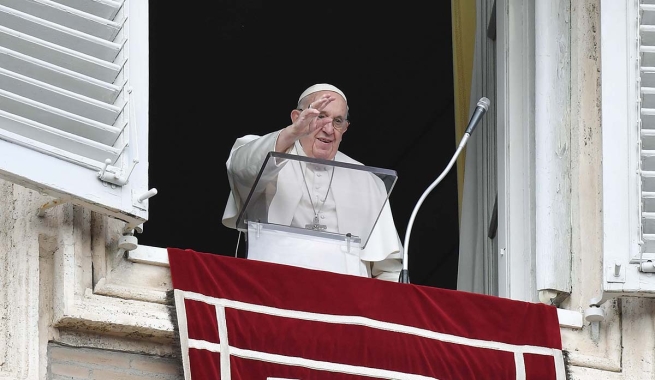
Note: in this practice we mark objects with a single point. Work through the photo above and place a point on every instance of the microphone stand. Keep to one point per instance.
(481, 108)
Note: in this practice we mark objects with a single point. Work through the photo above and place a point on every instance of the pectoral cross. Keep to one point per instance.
(316, 225)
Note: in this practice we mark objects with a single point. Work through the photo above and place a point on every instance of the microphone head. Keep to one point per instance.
(484, 103)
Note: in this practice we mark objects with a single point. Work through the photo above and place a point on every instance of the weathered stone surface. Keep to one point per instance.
(63, 279)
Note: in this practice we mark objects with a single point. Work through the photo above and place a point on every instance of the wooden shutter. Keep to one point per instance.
(74, 101)
(628, 128)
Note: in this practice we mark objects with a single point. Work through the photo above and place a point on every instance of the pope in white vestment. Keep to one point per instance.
(342, 200)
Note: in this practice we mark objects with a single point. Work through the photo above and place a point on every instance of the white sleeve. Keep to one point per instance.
(387, 269)
(243, 165)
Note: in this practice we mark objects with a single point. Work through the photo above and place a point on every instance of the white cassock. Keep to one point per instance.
(342, 210)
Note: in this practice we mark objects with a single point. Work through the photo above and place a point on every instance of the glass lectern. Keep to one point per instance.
(312, 213)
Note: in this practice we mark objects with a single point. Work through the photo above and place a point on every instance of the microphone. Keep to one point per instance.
(480, 110)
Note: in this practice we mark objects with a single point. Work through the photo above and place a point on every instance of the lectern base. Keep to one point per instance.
(306, 249)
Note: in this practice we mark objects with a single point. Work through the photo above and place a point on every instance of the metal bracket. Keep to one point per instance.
(48, 205)
(141, 200)
(115, 178)
(348, 238)
(597, 301)
(604, 296)
(647, 267)
(594, 314)
(120, 179)
(128, 229)
(615, 273)
(553, 297)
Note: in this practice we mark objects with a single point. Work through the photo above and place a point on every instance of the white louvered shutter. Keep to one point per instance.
(74, 101)
(628, 128)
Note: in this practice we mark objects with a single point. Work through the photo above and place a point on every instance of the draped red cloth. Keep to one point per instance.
(245, 319)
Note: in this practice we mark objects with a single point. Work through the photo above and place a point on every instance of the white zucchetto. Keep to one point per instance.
(321, 87)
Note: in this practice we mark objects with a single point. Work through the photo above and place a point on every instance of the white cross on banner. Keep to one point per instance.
(246, 319)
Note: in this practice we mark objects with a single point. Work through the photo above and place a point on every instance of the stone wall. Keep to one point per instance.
(65, 362)
(63, 279)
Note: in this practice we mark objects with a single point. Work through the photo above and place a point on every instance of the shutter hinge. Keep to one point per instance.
(115, 178)
(647, 266)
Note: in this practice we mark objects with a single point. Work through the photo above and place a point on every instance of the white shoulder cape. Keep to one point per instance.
(246, 157)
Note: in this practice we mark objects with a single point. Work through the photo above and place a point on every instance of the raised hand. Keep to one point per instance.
(307, 122)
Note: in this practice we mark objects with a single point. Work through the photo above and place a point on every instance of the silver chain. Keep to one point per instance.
(302, 171)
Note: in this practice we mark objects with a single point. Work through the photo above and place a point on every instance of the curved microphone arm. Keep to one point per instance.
(481, 108)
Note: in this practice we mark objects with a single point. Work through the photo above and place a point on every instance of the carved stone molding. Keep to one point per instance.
(97, 289)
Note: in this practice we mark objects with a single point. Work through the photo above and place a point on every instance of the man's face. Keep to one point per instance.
(324, 142)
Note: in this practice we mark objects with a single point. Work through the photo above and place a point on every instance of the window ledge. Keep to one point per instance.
(570, 319)
(149, 255)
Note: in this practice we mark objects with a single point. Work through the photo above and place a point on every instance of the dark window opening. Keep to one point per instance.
(232, 68)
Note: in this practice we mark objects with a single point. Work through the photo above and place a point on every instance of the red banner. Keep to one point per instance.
(245, 319)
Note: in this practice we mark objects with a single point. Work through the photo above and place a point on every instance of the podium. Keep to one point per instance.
(289, 214)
